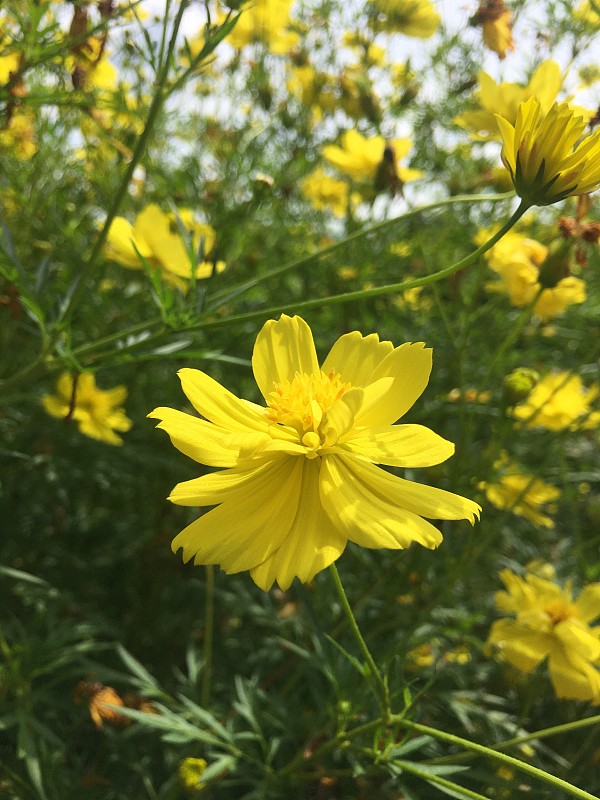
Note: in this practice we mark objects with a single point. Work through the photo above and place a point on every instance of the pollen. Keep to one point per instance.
(303, 402)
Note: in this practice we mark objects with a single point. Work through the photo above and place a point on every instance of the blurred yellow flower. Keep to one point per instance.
(504, 98)
(190, 773)
(496, 22)
(300, 477)
(8, 66)
(98, 412)
(156, 236)
(550, 624)
(326, 193)
(520, 493)
(361, 158)
(588, 12)
(558, 402)
(517, 261)
(19, 135)
(264, 21)
(412, 17)
(544, 154)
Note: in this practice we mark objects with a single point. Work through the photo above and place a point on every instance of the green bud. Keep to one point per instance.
(555, 266)
(519, 384)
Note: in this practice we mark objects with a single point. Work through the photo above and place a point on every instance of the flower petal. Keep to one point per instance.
(220, 406)
(400, 446)
(355, 357)
(367, 518)
(588, 603)
(207, 443)
(251, 524)
(312, 544)
(521, 646)
(410, 366)
(426, 501)
(573, 679)
(283, 347)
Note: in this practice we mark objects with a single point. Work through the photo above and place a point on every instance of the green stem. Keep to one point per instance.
(209, 622)
(157, 101)
(227, 294)
(515, 763)
(380, 685)
(409, 766)
(376, 291)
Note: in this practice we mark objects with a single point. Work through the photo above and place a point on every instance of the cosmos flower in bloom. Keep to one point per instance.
(550, 624)
(360, 156)
(544, 156)
(299, 477)
(96, 411)
(559, 401)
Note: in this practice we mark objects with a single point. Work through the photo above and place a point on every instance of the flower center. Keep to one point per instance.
(558, 611)
(302, 403)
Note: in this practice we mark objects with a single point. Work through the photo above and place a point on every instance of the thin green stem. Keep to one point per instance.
(413, 769)
(227, 294)
(140, 148)
(209, 623)
(380, 685)
(515, 763)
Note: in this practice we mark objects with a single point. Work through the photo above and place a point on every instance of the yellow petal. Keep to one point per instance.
(219, 405)
(217, 487)
(410, 366)
(588, 603)
(426, 501)
(365, 517)
(205, 442)
(573, 681)
(521, 646)
(283, 347)
(355, 357)
(578, 639)
(400, 446)
(312, 544)
(250, 525)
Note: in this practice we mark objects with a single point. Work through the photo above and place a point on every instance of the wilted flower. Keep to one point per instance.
(550, 624)
(503, 99)
(496, 22)
(98, 412)
(361, 157)
(518, 260)
(300, 477)
(559, 401)
(520, 493)
(542, 153)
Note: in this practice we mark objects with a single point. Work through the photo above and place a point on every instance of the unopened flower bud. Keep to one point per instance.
(519, 384)
(555, 266)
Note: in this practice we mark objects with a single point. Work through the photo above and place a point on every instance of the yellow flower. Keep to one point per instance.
(411, 17)
(542, 154)
(361, 157)
(97, 412)
(496, 22)
(19, 135)
(264, 21)
(300, 477)
(550, 624)
(325, 192)
(504, 98)
(156, 236)
(588, 12)
(558, 402)
(517, 260)
(522, 494)
(190, 772)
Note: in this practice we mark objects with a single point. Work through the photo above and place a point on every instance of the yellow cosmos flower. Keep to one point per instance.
(98, 412)
(550, 624)
(558, 402)
(300, 478)
(520, 493)
(503, 99)
(361, 157)
(327, 193)
(264, 21)
(497, 33)
(412, 17)
(542, 153)
(517, 261)
(156, 237)
(190, 772)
